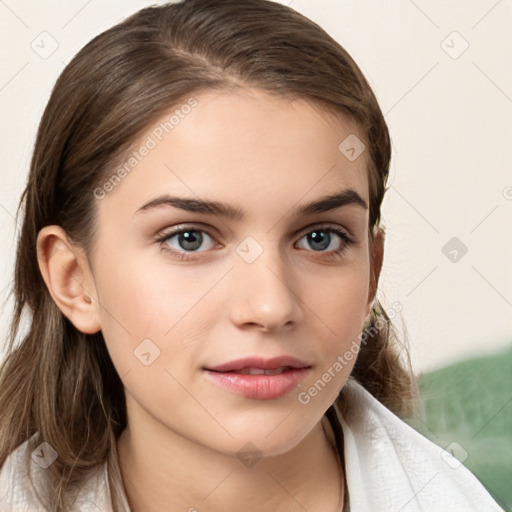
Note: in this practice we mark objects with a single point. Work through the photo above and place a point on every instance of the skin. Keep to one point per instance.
(265, 154)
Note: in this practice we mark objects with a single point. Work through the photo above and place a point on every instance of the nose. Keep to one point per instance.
(265, 294)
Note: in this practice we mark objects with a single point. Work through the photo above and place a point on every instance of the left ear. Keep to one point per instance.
(376, 258)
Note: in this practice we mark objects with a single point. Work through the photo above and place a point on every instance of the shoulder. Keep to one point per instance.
(18, 495)
(390, 466)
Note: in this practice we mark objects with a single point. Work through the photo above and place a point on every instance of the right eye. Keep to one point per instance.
(186, 240)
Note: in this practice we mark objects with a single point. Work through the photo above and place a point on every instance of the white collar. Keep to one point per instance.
(391, 467)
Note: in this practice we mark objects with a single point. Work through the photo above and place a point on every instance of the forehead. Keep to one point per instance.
(247, 146)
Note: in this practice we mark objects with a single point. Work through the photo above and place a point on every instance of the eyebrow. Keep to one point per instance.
(324, 204)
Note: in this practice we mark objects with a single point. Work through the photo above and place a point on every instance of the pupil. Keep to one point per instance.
(187, 240)
(320, 237)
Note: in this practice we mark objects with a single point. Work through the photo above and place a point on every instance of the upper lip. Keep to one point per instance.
(259, 362)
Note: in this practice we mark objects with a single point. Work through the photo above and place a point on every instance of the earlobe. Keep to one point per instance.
(68, 278)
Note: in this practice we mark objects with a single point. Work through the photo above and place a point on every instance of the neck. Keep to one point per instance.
(174, 473)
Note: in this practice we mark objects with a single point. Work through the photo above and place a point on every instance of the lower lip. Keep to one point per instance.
(260, 387)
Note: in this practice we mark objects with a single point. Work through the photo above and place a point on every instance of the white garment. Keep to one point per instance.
(389, 468)
(392, 468)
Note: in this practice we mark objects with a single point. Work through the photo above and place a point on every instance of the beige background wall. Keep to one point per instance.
(442, 74)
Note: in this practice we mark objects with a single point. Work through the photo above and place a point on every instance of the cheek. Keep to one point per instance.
(160, 303)
(340, 301)
(339, 309)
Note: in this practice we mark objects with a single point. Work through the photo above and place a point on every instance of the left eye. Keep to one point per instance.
(321, 239)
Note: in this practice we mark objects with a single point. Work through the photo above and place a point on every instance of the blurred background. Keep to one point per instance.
(441, 72)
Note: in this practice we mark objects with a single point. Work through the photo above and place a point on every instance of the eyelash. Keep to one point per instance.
(347, 241)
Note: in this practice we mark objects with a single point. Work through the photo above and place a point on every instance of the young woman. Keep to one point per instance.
(199, 257)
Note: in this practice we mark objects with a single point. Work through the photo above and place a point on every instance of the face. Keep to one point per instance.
(180, 294)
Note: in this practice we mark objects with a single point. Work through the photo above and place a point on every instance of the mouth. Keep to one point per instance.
(259, 363)
(250, 370)
(258, 378)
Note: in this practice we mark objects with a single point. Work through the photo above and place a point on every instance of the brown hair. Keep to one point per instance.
(60, 382)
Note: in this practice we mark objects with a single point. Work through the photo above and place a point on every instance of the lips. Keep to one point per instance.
(253, 365)
(257, 378)
(248, 370)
